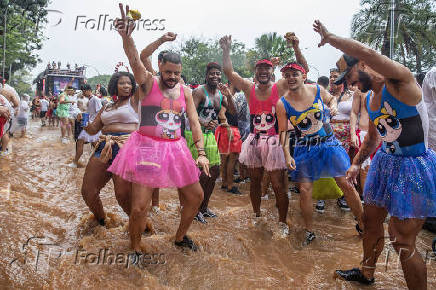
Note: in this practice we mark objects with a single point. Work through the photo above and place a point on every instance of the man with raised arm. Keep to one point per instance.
(402, 178)
(155, 156)
(261, 150)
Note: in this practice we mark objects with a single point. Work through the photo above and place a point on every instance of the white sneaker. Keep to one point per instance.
(289, 195)
(265, 197)
(72, 165)
(155, 209)
(64, 141)
(284, 229)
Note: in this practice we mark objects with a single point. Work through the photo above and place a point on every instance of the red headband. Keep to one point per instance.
(294, 66)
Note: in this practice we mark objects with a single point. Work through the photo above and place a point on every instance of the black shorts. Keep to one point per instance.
(42, 114)
(77, 129)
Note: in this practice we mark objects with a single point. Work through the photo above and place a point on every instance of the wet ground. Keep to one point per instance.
(49, 239)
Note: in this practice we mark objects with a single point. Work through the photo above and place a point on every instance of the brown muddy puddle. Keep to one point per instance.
(48, 238)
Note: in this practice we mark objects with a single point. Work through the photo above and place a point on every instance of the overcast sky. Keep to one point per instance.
(73, 40)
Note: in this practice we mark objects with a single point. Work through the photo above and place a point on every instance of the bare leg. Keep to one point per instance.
(64, 122)
(230, 168)
(256, 175)
(306, 204)
(373, 238)
(223, 169)
(123, 192)
(208, 184)
(281, 193)
(95, 178)
(266, 179)
(362, 176)
(403, 237)
(191, 197)
(141, 198)
(352, 198)
(79, 151)
(155, 197)
(5, 141)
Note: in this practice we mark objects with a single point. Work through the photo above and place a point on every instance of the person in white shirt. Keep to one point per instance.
(429, 93)
(93, 107)
(44, 108)
(22, 116)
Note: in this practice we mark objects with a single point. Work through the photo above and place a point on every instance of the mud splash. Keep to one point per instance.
(50, 240)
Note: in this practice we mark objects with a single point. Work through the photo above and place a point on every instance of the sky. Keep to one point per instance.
(73, 34)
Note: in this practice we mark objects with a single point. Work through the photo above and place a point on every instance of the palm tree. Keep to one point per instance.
(270, 45)
(414, 22)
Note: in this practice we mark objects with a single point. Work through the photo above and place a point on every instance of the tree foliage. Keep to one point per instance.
(24, 19)
(414, 22)
(22, 83)
(100, 79)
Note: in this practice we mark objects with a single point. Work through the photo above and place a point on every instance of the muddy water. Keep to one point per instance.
(48, 238)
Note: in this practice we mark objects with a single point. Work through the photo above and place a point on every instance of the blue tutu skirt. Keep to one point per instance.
(326, 159)
(404, 186)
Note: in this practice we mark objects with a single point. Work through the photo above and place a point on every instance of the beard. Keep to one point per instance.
(264, 82)
(165, 82)
(365, 81)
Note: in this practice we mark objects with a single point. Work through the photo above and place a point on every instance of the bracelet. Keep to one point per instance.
(200, 149)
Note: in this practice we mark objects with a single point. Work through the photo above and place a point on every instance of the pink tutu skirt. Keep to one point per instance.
(155, 163)
(264, 151)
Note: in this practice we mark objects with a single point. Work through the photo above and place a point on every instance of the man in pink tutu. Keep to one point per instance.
(156, 156)
(261, 150)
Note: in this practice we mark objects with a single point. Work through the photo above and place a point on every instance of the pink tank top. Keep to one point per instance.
(263, 119)
(161, 117)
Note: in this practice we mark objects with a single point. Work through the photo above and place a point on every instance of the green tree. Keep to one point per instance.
(24, 18)
(267, 46)
(22, 82)
(414, 22)
(197, 53)
(100, 79)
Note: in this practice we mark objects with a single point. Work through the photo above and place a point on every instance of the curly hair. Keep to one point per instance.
(113, 83)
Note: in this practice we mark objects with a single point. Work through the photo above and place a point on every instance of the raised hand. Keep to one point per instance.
(292, 39)
(169, 36)
(224, 89)
(226, 42)
(124, 25)
(275, 60)
(323, 32)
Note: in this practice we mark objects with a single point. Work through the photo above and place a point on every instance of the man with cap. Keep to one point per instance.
(261, 150)
(402, 177)
(317, 152)
(208, 100)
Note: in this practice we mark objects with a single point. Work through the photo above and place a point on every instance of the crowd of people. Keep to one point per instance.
(360, 136)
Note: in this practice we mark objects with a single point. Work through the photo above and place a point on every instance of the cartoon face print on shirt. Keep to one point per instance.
(311, 121)
(389, 127)
(264, 122)
(169, 118)
(207, 114)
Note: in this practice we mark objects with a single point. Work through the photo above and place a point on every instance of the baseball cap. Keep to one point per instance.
(263, 61)
(294, 66)
(345, 64)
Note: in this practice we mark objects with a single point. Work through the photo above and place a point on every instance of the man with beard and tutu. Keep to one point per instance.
(156, 156)
(402, 178)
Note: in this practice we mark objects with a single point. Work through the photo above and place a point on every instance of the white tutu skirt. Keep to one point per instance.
(88, 138)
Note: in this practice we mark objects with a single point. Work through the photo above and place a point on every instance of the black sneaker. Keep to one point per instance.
(234, 190)
(342, 203)
(320, 206)
(310, 236)
(353, 275)
(359, 230)
(208, 214)
(187, 243)
(199, 217)
(223, 187)
(101, 222)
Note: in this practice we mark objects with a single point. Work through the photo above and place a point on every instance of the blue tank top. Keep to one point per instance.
(399, 125)
(312, 122)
